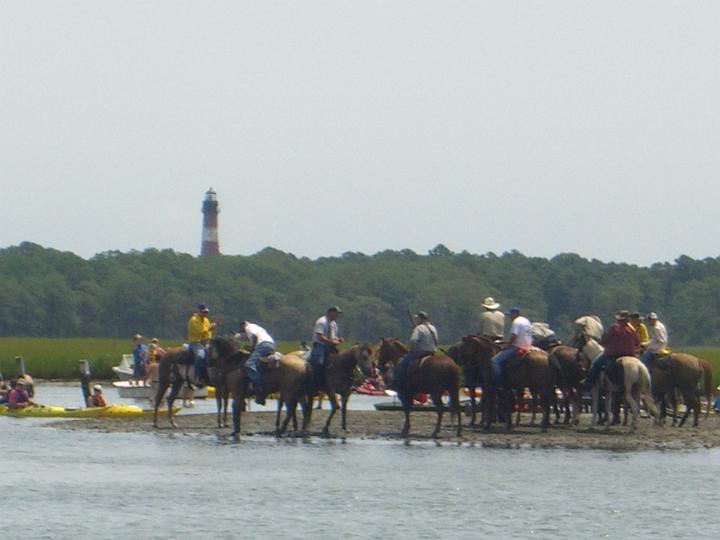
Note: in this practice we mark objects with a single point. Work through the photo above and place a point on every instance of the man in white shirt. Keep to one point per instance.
(520, 339)
(325, 339)
(423, 341)
(658, 340)
(261, 344)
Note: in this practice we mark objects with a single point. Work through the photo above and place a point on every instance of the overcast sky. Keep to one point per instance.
(334, 126)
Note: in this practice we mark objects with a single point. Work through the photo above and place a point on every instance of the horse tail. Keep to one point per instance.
(645, 389)
(707, 372)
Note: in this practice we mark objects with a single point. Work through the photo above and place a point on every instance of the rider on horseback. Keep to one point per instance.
(520, 340)
(261, 344)
(325, 339)
(492, 321)
(621, 339)
(658, 340)
(423, 341)
(200, 330)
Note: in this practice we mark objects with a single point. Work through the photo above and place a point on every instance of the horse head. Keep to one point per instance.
(363, 356)
(389, 351)
(477, 350)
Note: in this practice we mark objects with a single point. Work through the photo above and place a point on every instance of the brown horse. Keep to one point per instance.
(534, 370)
(574, 366)
(291, 379)
(682, 372)
(339, 378)
(175, 368)
(434, 375)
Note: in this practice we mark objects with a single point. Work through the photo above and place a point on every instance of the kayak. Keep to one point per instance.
(369, 391)
(53, 411)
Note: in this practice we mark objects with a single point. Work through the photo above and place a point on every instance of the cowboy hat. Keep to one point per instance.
(490, 303)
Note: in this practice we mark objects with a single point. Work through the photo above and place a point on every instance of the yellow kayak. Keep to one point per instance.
(52, 411)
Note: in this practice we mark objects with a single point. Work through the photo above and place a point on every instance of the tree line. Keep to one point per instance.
(46, 292)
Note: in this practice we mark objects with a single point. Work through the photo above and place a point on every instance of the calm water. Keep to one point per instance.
(88, 485)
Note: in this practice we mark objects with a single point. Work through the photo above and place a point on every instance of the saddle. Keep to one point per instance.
(663, 362)
(270, 361)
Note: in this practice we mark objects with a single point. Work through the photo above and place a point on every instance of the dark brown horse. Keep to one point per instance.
(681, 372)
(534, 370)
(574, 366)
(434, 375)
(175, 368)
(291, 379)
(339, 378)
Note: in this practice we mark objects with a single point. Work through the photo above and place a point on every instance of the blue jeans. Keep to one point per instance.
(252, 365)
(319, 353)
(400, 374)
(497, 364)
(598, 365)
(198, 350)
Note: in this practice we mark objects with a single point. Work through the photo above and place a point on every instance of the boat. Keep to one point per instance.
(134, 391)
(124, 369)
(54, 411)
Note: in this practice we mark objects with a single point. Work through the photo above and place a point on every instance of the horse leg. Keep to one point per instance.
(174, 390)
(608, 408)
(690, 404)
(289, 413)
(162, 387)
(631, 402)
(332, 398)
(520, 403)
(344, 401)
(673, 405)
(473, 411)
(219, 405)
(595, 394)
(545, 403)
(406, 402)
(237, 406)
(307, 411)
(437, 400)
(226, 399)
(508, 403)
(277, 415)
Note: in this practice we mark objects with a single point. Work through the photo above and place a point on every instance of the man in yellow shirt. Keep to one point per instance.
(636, 321)
(200, 330)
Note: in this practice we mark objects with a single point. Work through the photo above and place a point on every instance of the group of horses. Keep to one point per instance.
(542, 371)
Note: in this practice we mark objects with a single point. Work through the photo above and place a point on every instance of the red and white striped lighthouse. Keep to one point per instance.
(210, 243)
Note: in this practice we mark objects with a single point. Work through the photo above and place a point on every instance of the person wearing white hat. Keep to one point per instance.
(658, 340)
(97, 399)
(492, 321)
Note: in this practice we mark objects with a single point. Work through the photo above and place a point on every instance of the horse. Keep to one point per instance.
(175, 367)
(574, 366)
(633, 378)
(434, 374)
(534, 370)
(681, 371)
(339, 378)
(291, 379)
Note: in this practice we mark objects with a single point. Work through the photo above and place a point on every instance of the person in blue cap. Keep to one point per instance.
(520, 340)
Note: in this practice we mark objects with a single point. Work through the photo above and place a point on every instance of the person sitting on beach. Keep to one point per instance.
(375, 379)
(18, 397)
(3, 391)
(97, 399)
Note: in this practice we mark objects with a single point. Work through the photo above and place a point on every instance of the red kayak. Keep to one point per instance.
(368, 390)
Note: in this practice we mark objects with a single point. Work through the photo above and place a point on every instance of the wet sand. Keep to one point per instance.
(376, 425)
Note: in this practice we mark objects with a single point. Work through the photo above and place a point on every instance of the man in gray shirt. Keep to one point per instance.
(423, 341)
(492, 321)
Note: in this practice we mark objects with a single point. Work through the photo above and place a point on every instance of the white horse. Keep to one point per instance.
(636, 380)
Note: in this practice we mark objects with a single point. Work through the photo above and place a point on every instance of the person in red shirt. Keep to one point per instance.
(619, 340)
(18, 397)
(97, 399)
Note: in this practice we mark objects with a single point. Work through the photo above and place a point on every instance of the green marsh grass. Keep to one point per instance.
(51, 358)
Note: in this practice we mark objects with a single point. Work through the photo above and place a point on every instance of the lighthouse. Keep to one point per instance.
(210, 244)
